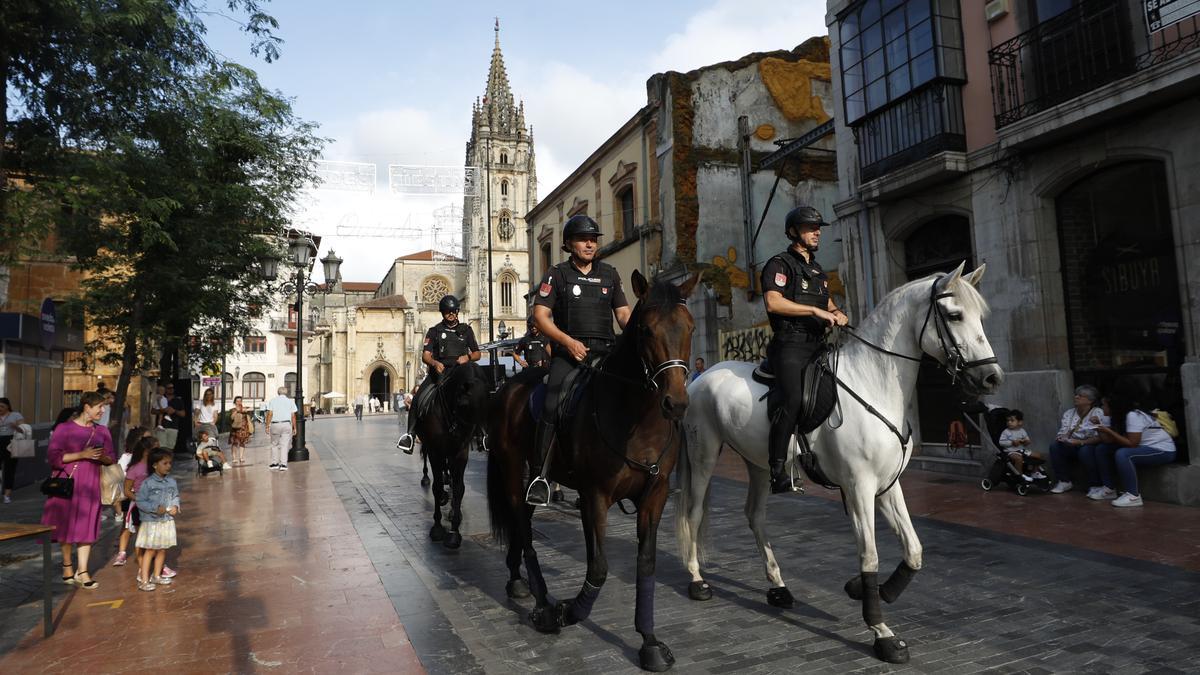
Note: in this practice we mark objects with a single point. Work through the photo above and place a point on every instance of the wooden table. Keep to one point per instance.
(23, 531)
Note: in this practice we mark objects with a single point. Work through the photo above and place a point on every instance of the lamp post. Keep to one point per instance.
(301, 248)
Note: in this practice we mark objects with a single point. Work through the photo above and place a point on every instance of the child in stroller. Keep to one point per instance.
(1014, 463)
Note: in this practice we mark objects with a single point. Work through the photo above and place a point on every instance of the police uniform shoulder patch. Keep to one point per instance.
(545, 288)
(427, 341)
(780, 279)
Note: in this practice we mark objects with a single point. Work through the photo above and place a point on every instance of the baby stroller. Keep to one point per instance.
(203, 468)
(1002, 469)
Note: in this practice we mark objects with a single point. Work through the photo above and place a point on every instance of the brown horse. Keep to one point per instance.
(621, 443)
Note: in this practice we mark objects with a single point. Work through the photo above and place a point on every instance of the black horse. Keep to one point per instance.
(458, 410)
(622, 443)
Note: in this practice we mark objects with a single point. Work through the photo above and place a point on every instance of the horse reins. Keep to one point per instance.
(955, 365)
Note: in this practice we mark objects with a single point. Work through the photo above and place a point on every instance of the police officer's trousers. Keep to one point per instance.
(788, 354)
(424, 391)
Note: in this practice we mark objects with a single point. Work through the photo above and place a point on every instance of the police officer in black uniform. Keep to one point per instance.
(448, 344)
(796, 293)
(574, 307)
(534, 347)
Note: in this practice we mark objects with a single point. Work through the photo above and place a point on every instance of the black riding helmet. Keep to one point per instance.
(576, 226)
(799, 216)
(448, 304)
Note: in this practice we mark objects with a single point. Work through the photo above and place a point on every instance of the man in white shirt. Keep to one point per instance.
(281, 423)
(359, 404)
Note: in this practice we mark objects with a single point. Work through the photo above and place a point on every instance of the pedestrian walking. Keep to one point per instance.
(136, 471)
(9, 420)
(240, 430)
(281, 423)
(158, 502)
(205, 418)
(77, 450)
(359, 404)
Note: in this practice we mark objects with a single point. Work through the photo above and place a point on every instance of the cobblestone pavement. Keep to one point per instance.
(986, 601)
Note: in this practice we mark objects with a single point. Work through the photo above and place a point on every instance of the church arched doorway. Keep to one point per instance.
(381, 383)
(938, 246)
(1124, 313)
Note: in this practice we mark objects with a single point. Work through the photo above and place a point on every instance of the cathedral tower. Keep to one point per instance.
(501, 152)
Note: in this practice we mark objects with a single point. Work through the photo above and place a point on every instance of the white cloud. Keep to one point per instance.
(730, 29)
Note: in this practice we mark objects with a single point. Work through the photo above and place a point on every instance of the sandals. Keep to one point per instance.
(90, 584)
(68, 579)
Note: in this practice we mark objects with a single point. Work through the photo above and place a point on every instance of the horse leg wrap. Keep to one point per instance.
(537, 584)
(643, 617)
(871, 611)
(582, 607)
(892, 588)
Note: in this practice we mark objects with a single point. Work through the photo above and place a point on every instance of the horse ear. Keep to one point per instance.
(686, 288)
(974, 277)
(946, 280)
(640, 285)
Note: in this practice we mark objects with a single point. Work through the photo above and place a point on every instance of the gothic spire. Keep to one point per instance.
(498, 91)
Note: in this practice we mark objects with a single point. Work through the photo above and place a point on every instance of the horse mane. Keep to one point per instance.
(662, 294)
(966, 294)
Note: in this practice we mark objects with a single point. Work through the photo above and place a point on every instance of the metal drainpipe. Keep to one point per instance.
(747, 204)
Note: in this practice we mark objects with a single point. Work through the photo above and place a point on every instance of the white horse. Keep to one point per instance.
(939, 315)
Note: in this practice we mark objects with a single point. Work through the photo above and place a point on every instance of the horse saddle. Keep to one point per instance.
(819, 387)
(573, 387)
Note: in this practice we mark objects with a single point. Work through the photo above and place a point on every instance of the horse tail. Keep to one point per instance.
(500, 511)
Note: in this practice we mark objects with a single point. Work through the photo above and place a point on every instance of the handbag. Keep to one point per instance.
(166, 437)
(112, 484)
(60, 486)
(22, 447)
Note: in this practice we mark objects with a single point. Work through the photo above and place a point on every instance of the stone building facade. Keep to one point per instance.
(680, 186)
(992, 133)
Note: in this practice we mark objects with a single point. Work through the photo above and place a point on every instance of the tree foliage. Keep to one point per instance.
(165, 171)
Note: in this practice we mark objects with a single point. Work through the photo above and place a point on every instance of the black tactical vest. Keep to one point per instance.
(583, 306)
(535, 349)
(451, 342)
(806, 284)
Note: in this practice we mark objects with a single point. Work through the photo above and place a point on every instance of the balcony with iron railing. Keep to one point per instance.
(1091, 45)
(915, 127)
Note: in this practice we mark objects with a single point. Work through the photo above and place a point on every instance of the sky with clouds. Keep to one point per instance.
(393, 83)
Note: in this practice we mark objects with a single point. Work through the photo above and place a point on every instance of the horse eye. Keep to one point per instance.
(954, 316)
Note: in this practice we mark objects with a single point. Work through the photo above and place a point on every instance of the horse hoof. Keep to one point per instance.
(437, 533)
(565, 617)
(700, 590)
(425, 481)
(891, 649)
(544, 619)
(656, 657)
(854, 588)
(781, 597)
(453, 540)
(517, 589)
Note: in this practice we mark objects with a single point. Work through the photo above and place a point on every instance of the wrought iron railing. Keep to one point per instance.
(1082, 49)
(913, 128)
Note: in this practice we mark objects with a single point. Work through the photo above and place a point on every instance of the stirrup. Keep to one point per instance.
(538, 499)
(406, 443)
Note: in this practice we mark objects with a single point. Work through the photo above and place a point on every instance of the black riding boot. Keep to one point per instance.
(538, 493)
(777, 447)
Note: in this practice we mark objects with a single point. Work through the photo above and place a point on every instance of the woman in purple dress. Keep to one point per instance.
(77, 449)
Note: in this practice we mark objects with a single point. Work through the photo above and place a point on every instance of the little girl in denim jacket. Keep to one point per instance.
(158, 504)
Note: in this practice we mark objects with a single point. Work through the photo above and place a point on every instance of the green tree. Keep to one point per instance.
(166, 172)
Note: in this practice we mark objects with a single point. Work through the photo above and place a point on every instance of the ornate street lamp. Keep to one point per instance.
(301, 249)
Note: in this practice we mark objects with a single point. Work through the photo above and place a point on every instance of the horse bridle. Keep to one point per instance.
(955, 363)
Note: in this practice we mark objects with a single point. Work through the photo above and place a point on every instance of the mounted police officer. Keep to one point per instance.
(574, 308)
(534, 347)
(796, 293)
(448, 343)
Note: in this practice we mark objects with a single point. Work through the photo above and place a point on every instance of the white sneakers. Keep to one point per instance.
(1061, 487)
(1127, 499)
(1102, 492)
(227, 465)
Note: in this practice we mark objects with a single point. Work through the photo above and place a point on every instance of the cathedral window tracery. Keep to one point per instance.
(433, 289)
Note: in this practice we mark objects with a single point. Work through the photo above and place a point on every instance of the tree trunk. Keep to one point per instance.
(129, 357)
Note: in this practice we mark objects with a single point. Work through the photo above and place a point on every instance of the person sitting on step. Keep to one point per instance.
(448, 343)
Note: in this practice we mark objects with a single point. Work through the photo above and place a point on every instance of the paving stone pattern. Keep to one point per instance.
(984, 602)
